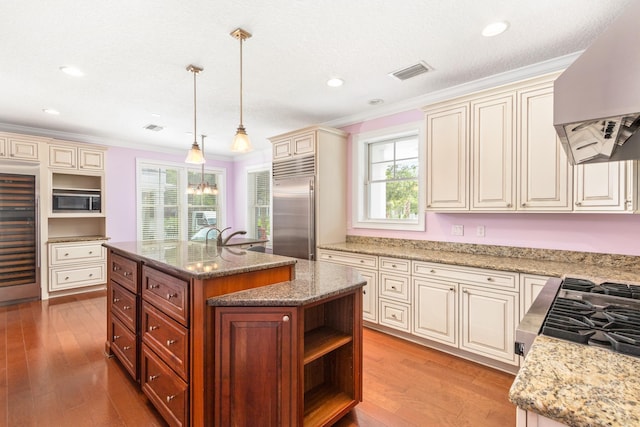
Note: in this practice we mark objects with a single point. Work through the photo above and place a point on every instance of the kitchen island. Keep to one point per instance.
(167, 337)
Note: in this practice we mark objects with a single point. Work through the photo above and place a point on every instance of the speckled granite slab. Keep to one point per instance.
(579, 385)
(533, 261)
(314, 281)
(76, 239)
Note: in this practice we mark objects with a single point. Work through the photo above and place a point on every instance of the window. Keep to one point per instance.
(259, 204)
(166, 211)
(387, 179)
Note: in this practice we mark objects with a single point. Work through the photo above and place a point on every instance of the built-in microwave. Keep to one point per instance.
(76, 201)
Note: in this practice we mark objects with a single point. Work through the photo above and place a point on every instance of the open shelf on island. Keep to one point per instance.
(321, 341)
(323, 403)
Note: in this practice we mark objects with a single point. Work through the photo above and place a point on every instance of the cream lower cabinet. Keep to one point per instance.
(475, 310)
(76, 264)
(530, 287)
(367, 266)
(394, 293)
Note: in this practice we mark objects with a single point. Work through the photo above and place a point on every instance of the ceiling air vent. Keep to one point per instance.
(411, 71)
(154, 128)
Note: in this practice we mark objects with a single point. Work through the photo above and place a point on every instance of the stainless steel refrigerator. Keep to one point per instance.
(294, 217)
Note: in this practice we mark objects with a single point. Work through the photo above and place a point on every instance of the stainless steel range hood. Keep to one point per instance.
(597, 99)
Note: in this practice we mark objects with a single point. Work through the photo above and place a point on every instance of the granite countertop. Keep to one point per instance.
(241, 241)
(313, 281)
(198, 260)
(592, 265)
(71, 239)
(578, 385)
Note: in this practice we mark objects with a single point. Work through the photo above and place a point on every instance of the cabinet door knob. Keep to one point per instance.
(524, 204)
(578, 203)
(451, 289)
(171, 342)
(394, 316)
(90, 252)
(285, 318)
(153, 377)
(169, 296)
(116, 299)
(126, 347)
(67, 254)
(66, 278)
(394, 266)
(152, 286)
(432, 271)
(115, 268)
(464, 291)
(490, 279)
(361, 261)
(153, 328)
(90, 274)
(364, 292)
(393, 287)
(170, 398)
(115, 337)
(126, 307)
(126, 273)
(509, 205)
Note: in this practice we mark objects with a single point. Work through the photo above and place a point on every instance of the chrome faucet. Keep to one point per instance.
(206, 236)
(226, 240)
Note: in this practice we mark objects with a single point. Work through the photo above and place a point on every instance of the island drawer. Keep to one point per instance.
(123, 345)
(168, 392)
(169, 294)
(348, 258)
(123, 305)
(124, 271)
(166, 337)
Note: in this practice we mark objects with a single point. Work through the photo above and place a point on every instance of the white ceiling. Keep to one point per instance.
(134, 55)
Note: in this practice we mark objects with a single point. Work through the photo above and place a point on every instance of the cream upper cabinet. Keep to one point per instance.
(67, 156)
(19, 147)
(493, 153)
(447, 158)
(297, 145)
(545, 175)
(606, 187)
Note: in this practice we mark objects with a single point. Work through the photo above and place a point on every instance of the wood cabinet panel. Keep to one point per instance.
(256, 367)
(123, 305)
(167, 338)
(124, 271)
(124, 345)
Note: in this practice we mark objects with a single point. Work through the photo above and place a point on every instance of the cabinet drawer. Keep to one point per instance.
(394, 315)
(491, 278)
(395, 265)
(67, 253)
(169, 294)
(348, 258)
(168, 392)
(74, 277)
(124, 271)
(394, 286)
(166, 337)
(123, 305)
(123, 345)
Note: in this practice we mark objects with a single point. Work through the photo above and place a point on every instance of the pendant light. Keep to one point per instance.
(194, 156)
(203, 187)
(241, 142)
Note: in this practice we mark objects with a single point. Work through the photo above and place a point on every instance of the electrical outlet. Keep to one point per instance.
(457, 230)
(480, 231)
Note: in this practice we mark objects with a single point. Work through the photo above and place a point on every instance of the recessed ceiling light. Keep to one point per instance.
(51, 111)
(72, 71)
(155, 114)
(495, 28)
(335, 82)
(376, 101)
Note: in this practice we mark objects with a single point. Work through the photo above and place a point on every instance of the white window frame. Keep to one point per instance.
(182, 196)
(359, 145)
(261, 168)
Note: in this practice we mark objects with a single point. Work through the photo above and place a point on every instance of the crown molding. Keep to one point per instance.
(511, 76)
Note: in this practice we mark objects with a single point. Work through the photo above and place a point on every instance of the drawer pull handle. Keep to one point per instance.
(126, 274)
(115, 268)
(432, 271)
(66, 254)
(285, 318)
(66, 278)
(394, 316)
(171, 342)
(153, 377)
(153, 328)
(170, 398)
(115, 337)
(393, 287)
(169, 296)
(126, 347)
(394, 266)
(90, 252)
(490, 279)
(116, 299)
(151, 286)
(361, 261)
(90, 274)
(126, 307)
(329, 256)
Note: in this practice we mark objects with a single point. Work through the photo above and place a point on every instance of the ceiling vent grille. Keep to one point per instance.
(411, 71)
(154, 128)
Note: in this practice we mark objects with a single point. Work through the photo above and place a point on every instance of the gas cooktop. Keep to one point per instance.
(604, 314)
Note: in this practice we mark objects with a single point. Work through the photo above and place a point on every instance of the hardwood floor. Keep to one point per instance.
(53, 372)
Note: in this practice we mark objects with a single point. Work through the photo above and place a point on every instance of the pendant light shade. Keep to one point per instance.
(241, 142)
(203, 187)
(194, 156)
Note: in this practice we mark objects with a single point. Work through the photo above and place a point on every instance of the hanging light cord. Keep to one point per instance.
(195, 141)
(241, 40)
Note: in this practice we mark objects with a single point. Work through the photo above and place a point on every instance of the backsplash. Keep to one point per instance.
(592, 258)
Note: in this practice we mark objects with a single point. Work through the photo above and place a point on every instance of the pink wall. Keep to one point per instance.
(121, 189)
(602, 233)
